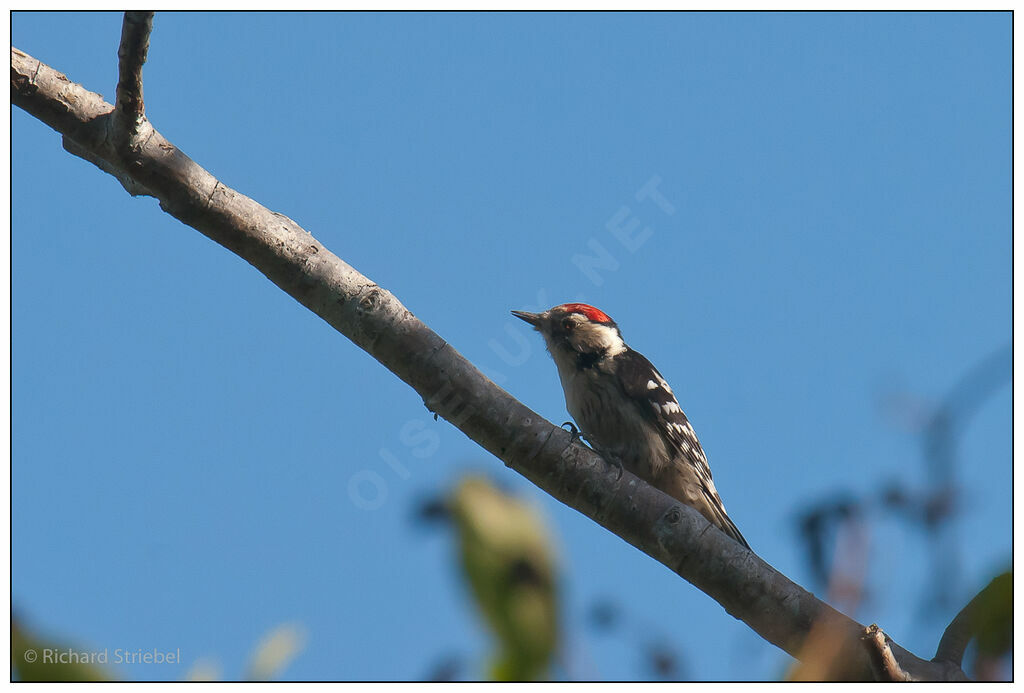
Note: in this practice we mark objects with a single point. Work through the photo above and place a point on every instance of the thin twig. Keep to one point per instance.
(130, 109)
(883, 662)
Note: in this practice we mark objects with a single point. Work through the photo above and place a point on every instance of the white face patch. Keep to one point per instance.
(591, 337)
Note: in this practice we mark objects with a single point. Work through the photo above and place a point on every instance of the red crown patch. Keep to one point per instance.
(591, 313)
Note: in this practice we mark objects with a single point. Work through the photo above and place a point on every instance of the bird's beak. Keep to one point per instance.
(532, 318)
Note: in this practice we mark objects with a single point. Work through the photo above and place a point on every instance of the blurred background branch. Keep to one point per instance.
(834, 532)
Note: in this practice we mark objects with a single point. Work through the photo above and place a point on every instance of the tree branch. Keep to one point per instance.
(130, 109)
(131, 186)
(676, 535)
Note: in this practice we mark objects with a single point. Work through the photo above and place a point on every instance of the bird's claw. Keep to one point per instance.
(576, 438)
(617, 463)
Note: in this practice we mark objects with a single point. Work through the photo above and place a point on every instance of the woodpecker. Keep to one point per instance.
(625, 409)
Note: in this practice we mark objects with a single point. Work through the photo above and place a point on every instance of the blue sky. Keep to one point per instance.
(185, 434)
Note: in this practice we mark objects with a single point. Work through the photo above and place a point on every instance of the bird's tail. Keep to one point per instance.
(729, 527)
(716, 515)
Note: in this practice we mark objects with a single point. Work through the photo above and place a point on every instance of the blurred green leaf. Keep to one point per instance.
(993, 616)
(508, 560)
(275, 652)
(35, 659)
(205, 669)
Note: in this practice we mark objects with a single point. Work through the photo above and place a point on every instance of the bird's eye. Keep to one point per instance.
(568, 324)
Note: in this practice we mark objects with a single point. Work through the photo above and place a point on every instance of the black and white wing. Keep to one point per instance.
(646, 386)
